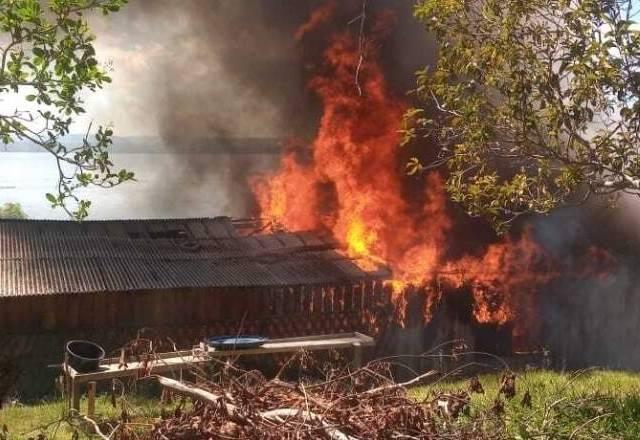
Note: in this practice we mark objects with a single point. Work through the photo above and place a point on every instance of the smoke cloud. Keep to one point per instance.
(227, 77)
(593, 320)
(203, 69)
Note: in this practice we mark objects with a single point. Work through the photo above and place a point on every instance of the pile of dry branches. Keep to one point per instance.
(363, 404)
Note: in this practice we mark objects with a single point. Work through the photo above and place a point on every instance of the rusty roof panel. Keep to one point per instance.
(198, 230)
(220, 227)
(289, 240)
(269, 241)
(54, 257)
(309, 238)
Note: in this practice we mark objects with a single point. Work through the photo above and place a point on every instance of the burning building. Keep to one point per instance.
(389, 253)
(185, 280)
(352, 182)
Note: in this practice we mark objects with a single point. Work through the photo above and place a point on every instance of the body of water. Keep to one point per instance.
(166, 186)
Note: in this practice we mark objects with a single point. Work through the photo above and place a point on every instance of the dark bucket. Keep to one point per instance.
(84, 356)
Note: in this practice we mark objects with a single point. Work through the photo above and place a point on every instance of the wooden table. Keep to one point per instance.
(179, 360)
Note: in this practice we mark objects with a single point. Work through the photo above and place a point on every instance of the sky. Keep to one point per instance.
(117, 104)
(154, 53)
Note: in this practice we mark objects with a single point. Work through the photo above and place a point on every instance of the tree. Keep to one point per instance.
(48, 58)
(12, 211)
(533, 104)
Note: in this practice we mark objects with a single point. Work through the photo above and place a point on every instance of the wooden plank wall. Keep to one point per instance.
(286, 311)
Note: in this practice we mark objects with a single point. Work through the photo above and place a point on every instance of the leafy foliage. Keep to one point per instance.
(12, 211)
(533, 104)
(48, 57)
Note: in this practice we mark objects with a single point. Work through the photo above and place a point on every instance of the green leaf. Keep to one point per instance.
(525, 102)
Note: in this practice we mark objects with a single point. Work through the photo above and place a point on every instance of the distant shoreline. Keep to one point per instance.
(152, 145)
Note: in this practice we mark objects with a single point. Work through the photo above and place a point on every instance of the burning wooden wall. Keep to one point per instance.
(440, 322)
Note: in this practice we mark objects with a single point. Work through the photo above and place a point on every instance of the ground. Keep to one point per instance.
(580, 405)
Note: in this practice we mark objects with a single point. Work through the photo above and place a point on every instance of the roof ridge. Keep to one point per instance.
(41, 220)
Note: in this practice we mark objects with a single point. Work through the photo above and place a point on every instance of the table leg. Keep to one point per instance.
(91, 399)
(75, 396)
(357, 355)
(67, 388)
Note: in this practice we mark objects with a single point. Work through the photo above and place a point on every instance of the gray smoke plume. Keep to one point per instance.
(225, 69)
(228, 77)
(592, 320)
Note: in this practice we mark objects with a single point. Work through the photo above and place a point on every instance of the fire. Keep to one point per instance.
(501, 279)
(356, 172)
(353, 185)
(288, 198)
(359, 239)
(319, 16)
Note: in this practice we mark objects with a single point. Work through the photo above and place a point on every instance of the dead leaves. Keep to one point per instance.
(475, 386)
(508, 384)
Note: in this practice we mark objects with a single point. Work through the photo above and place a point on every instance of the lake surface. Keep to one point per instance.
(167, 185)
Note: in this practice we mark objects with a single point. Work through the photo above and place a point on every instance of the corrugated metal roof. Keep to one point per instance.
(40, 257)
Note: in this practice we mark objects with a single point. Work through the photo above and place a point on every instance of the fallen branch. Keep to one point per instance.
(403, 384)
(332, 432)
(198, 394)
(95, 427)
(232, 410)
(301, 391)
(343, 405)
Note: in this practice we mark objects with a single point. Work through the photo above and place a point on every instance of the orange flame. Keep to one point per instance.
(355, 176)
(319, 16)
(502, 278)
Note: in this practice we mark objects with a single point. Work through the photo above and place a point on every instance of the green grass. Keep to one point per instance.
(28, 421)
(582, 405)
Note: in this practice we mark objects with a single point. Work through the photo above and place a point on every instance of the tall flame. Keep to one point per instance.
(353, 185)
